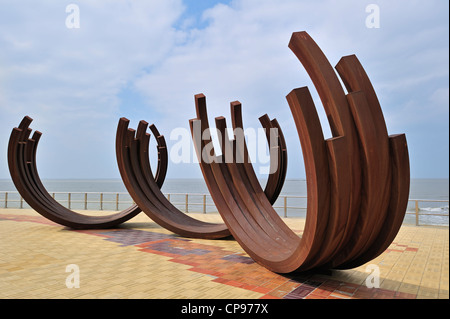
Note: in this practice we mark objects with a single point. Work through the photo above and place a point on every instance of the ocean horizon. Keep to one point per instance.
(420, 189)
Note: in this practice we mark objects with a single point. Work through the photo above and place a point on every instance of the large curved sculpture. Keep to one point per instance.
(357, 181)
(24, 173)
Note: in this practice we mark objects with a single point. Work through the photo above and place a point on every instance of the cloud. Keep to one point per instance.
(147, 59)
(241, 53)
(69, 80)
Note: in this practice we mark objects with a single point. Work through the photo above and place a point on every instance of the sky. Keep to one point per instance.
(145, 60)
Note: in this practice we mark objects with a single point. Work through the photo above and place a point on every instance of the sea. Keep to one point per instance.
(432, 196)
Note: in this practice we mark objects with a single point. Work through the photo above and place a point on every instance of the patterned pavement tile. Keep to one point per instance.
(141, 262)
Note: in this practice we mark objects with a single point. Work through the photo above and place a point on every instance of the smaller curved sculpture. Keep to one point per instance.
(134, 167)
(23, 169)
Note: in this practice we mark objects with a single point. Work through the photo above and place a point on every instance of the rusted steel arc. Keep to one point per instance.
(246, 199)
(16, 167)
(283, 161)
(51, 204)
(136, 174)
(373, 137)
(326, 166)
(295, 253)
(227, 198)
(345, 196)
(325, 81)
(397, 204)
(22, 165)
(246, 172)
(375, 169)
(338, 112)
(31, 176)
(177, 221)
(19, 167)
(275, 181)
(25, 156)
(216, 180)
(70, 218)
(163, 158)
(249, 189)
(149, 197)
(273, 178)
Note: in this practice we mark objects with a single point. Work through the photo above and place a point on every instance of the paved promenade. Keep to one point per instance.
(40, 259)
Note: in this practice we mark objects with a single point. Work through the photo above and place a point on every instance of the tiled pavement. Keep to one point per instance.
(142, 260)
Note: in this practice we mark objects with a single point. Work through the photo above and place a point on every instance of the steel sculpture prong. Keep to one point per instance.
(385, 166)
(277, 178)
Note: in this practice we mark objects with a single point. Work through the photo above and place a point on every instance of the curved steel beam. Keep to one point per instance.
(134, 166)
(163, 159)
(23, 169)
(326, 168)
(228, 198)
(277, 177)
(247, 174)
(341, 124)
(250, 217)
(385, 162)
(397, 205)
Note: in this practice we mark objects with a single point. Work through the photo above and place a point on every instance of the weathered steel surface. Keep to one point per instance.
(357, 181)
(134, 166)
(277, 175)
(24, 173)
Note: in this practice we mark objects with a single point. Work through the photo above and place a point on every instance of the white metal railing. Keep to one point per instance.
(198, 202)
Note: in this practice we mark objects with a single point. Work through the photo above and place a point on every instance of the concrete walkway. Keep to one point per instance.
(40, 259)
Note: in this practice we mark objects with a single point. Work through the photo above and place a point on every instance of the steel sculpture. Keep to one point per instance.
(22, 163)
(134, 167)
(24, 173)
(357, 181)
